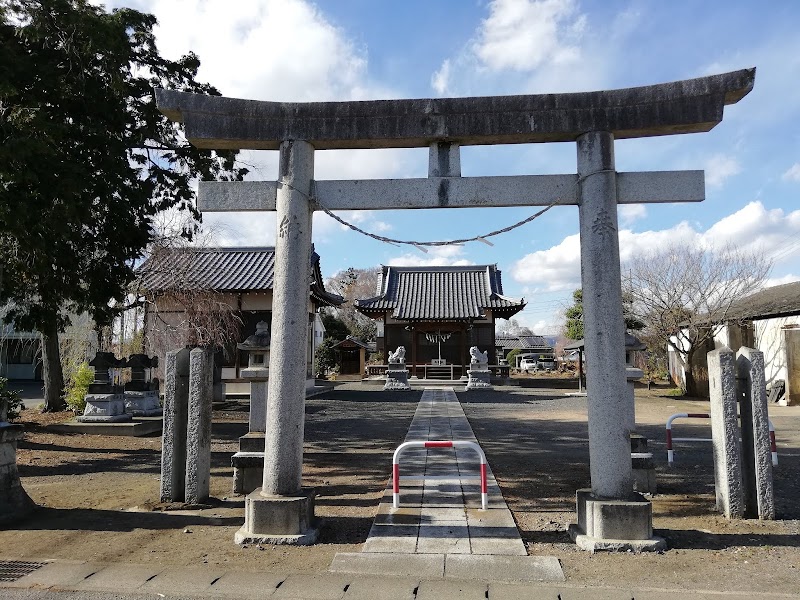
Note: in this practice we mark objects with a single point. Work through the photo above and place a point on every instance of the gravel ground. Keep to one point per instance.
(99, 494)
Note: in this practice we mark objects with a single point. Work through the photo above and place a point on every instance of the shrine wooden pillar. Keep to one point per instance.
(414, 337)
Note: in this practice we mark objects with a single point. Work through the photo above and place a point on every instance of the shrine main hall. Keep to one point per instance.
(437, 314)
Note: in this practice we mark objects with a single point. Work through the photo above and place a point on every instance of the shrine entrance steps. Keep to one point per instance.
(440, 530)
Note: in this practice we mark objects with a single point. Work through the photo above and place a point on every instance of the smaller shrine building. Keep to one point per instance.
(438, 313)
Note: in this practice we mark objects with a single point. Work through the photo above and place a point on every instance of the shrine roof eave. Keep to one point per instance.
(686, 106)
(325, 298)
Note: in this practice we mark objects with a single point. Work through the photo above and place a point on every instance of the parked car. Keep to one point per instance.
(528, 364)
(546, 362)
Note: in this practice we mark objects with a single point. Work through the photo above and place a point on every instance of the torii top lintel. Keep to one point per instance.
(688, 106)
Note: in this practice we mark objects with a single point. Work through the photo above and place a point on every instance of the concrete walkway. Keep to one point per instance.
(77, 579)
(440, 529)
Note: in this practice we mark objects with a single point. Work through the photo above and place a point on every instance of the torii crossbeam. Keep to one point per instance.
(281, 510)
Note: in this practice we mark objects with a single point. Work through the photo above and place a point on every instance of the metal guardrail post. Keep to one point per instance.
(437, 444)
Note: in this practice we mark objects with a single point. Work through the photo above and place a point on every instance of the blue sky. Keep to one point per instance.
(366, 49)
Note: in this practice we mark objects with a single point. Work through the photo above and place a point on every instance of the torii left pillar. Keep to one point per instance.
(281, 510)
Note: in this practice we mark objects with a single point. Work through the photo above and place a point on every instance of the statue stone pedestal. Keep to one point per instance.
(397, 377)
(14, 501)
(142, 403)
(104, 402)
(479, 377)
(104, 408)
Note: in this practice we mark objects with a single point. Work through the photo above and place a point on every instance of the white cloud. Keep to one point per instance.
(436, 256)
(530, 46)
(719, 168)
(557, 268)
(440, 80)
(521, 35)
(254, 53)
(793, 174)
(628, 213)
(773, 281)
(240, 229)
(752, 228)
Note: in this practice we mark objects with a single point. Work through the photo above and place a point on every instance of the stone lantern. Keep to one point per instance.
(248, 463)
(141, 400)
(14, 501)
(104, 402)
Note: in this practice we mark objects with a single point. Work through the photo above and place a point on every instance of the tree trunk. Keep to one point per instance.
(53, 375)
(691, 382)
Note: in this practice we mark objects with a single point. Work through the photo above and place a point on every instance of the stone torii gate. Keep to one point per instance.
(282, 510)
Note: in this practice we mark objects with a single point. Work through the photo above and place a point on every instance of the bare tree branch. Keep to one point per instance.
(684, 294)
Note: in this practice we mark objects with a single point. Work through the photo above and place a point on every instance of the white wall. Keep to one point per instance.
(769, 339)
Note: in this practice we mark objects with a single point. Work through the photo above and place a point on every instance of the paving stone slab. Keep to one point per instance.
(177, 580)
(313, 587)
(504, 568)
(516, 591)
(120, 576)
(392, 538)
(400, 565)
(444, 537)
(382, 588)
(604, 594)
(451, 590)
(241, 584)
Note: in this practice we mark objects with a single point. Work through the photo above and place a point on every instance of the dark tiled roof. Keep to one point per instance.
(440, 294)
(221, 270)
(522, 342)
(631, 343)
(777, 301)
(354, 341)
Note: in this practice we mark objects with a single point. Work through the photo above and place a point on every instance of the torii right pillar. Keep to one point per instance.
(611, 516)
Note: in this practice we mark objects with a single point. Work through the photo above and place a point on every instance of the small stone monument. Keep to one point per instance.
(104, 402)
(396, 373)
(14, 501)
(248, 463)
(479, 374)
(141, 397)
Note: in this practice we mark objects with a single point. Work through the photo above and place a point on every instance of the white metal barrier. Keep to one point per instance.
(437, 444)
(671, 453)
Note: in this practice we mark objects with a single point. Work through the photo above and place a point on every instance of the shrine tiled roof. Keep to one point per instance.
(232, 270)
(440, 294)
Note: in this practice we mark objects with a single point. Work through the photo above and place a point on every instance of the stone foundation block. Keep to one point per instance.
(248, 471)
(104, 408)
(142, 403)
(644, 477)
(611, 524)
(252, 441)
(479, 379)
(279, 519)
(397, 378)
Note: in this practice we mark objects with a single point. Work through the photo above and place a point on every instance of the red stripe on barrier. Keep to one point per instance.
(396, 478)
(669, 439)
(438, 444)
(484, 487)
(699, 415)
(773, 447)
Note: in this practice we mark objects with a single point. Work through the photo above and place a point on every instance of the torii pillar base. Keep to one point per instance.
(615, 525)
(287, 520)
